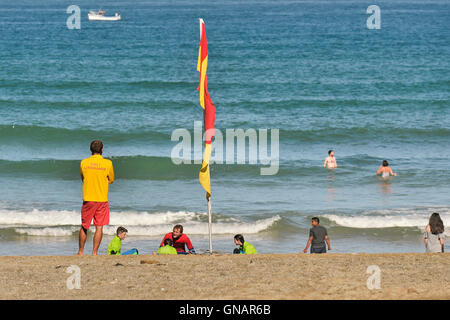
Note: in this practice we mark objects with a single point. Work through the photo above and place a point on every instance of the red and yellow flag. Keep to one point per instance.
(209, 113)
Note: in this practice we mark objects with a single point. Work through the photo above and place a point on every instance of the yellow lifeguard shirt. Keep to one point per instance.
(97, 173)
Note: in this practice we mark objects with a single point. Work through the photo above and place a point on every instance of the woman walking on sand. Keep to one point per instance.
(434, 234)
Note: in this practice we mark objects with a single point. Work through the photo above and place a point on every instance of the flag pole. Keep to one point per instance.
(210, 225)
(208, 118)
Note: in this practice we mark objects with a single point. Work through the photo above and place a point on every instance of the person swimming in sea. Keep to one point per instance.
(385, 171)
(330, 161)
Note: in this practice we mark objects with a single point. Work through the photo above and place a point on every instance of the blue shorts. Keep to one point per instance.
(132, 251)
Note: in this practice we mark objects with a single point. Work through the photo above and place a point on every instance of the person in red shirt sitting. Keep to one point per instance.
(180, 240)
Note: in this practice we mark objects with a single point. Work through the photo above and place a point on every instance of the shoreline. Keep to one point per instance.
(227, 277)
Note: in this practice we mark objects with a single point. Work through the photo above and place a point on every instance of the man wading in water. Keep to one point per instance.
(330, 161)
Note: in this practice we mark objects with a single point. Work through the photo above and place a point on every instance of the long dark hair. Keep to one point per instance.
(240, 238)
(436, 224)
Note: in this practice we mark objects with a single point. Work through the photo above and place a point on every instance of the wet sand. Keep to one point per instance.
(200, 277)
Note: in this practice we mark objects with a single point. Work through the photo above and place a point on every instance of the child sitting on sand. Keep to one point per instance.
(244, 246)
(115, 245)
(167, 249)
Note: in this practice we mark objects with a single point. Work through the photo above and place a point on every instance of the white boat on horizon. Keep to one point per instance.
(100, 16)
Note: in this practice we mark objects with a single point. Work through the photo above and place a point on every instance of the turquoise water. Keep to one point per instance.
(311, 69)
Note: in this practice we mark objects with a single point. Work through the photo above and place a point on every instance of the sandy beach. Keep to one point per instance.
(201, 277)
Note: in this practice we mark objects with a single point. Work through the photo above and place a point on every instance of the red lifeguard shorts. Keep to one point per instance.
(99, 211)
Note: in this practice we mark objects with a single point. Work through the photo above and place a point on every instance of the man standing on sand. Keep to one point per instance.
(97, 174)
(317, 237)
(330, 161)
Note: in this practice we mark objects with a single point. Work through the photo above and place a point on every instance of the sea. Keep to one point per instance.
(319, 73)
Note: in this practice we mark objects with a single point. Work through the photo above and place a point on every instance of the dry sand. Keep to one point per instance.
(264, 276)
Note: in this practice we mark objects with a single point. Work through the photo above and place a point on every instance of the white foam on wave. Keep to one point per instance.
(47, 232)
(201, 228)
(65, 223)
(391, 218)
(37, 217)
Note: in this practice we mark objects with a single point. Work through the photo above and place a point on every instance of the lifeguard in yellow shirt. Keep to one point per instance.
(97, 174)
